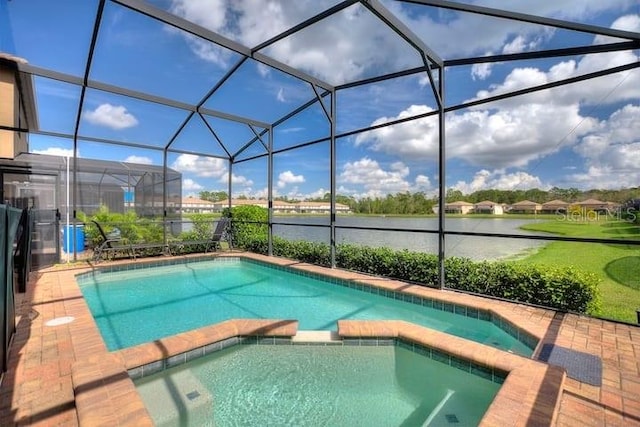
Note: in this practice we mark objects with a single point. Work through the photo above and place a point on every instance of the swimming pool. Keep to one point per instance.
(136, 306)
(332, 385)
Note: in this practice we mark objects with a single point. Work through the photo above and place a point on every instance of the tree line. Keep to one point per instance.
(419, 203)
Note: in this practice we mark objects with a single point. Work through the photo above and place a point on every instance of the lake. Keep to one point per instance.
(478, 248)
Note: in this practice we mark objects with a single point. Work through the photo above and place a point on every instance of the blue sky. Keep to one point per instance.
(584, 135)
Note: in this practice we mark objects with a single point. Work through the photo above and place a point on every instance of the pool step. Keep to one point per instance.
(325, 337)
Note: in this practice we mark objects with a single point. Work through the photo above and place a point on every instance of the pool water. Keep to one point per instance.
(137, 306)
(299, 385)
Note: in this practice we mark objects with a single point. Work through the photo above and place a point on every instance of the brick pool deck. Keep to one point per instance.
(63, 375)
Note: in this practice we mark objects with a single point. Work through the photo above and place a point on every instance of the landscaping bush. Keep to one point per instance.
(560, 288)
(248, 223)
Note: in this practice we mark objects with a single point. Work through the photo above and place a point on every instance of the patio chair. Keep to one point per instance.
(219, 234)
(110, 244)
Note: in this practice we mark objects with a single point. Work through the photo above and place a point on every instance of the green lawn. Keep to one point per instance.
(618, 266)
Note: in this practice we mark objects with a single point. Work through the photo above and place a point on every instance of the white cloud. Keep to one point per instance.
(481, 71)
(376, 181)
(612, 151)
(280, 96)
(190, 185)
(353, 43)
(340, 49)
(288, 177)
(499, 180)
(423, 182)
(263, 70)
(517, 45)
(516, 131)
(143, 160)
(625, 23)
(208, 51)
(56, 151)
(239, 180)
(112, 116)
(521, 43)
(200, 166)
(211, 14)
(465, 34)
(609, 89)
(490, 139)
(292, 129)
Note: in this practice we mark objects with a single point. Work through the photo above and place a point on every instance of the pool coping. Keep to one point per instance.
(530, 392)
(105, 393)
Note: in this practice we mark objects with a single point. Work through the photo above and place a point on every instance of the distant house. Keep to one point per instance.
(320, 207)
(596, 206)
(554, 206)
(459, 207)
(526, 206)
(488, 207)
(280, 206)
(196, 205)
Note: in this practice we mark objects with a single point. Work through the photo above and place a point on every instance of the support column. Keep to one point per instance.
(441, 182)
(270, 195)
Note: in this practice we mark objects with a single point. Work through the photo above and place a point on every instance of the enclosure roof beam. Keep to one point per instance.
(545, 86)
(400, 28)
(183, 24)
(427, 54)
(307, 23)
(551, 53)
(197, 30)
(99, 140)
(92, 84)
(215, 135)
(532, 19)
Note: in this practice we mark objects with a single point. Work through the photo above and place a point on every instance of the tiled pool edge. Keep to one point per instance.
(489, 373)
(104, 392)
(413, 294)
(530, 395)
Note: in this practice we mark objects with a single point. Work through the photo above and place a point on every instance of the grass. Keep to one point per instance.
(618, 266)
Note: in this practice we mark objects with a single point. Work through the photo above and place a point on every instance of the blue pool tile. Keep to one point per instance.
(176, 360)
(427, 302)
(461, 364)
(135, 373)
(248, 340)
(440, 356)
(499, 377)
(265, 340)
(481, 371)
(195, 353)
(422, 350)
(473, 312)
(152, 368)
(406, 345)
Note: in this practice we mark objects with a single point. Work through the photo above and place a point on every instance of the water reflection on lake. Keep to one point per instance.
(464, 246)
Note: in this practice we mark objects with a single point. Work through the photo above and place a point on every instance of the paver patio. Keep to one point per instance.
(38, 388)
